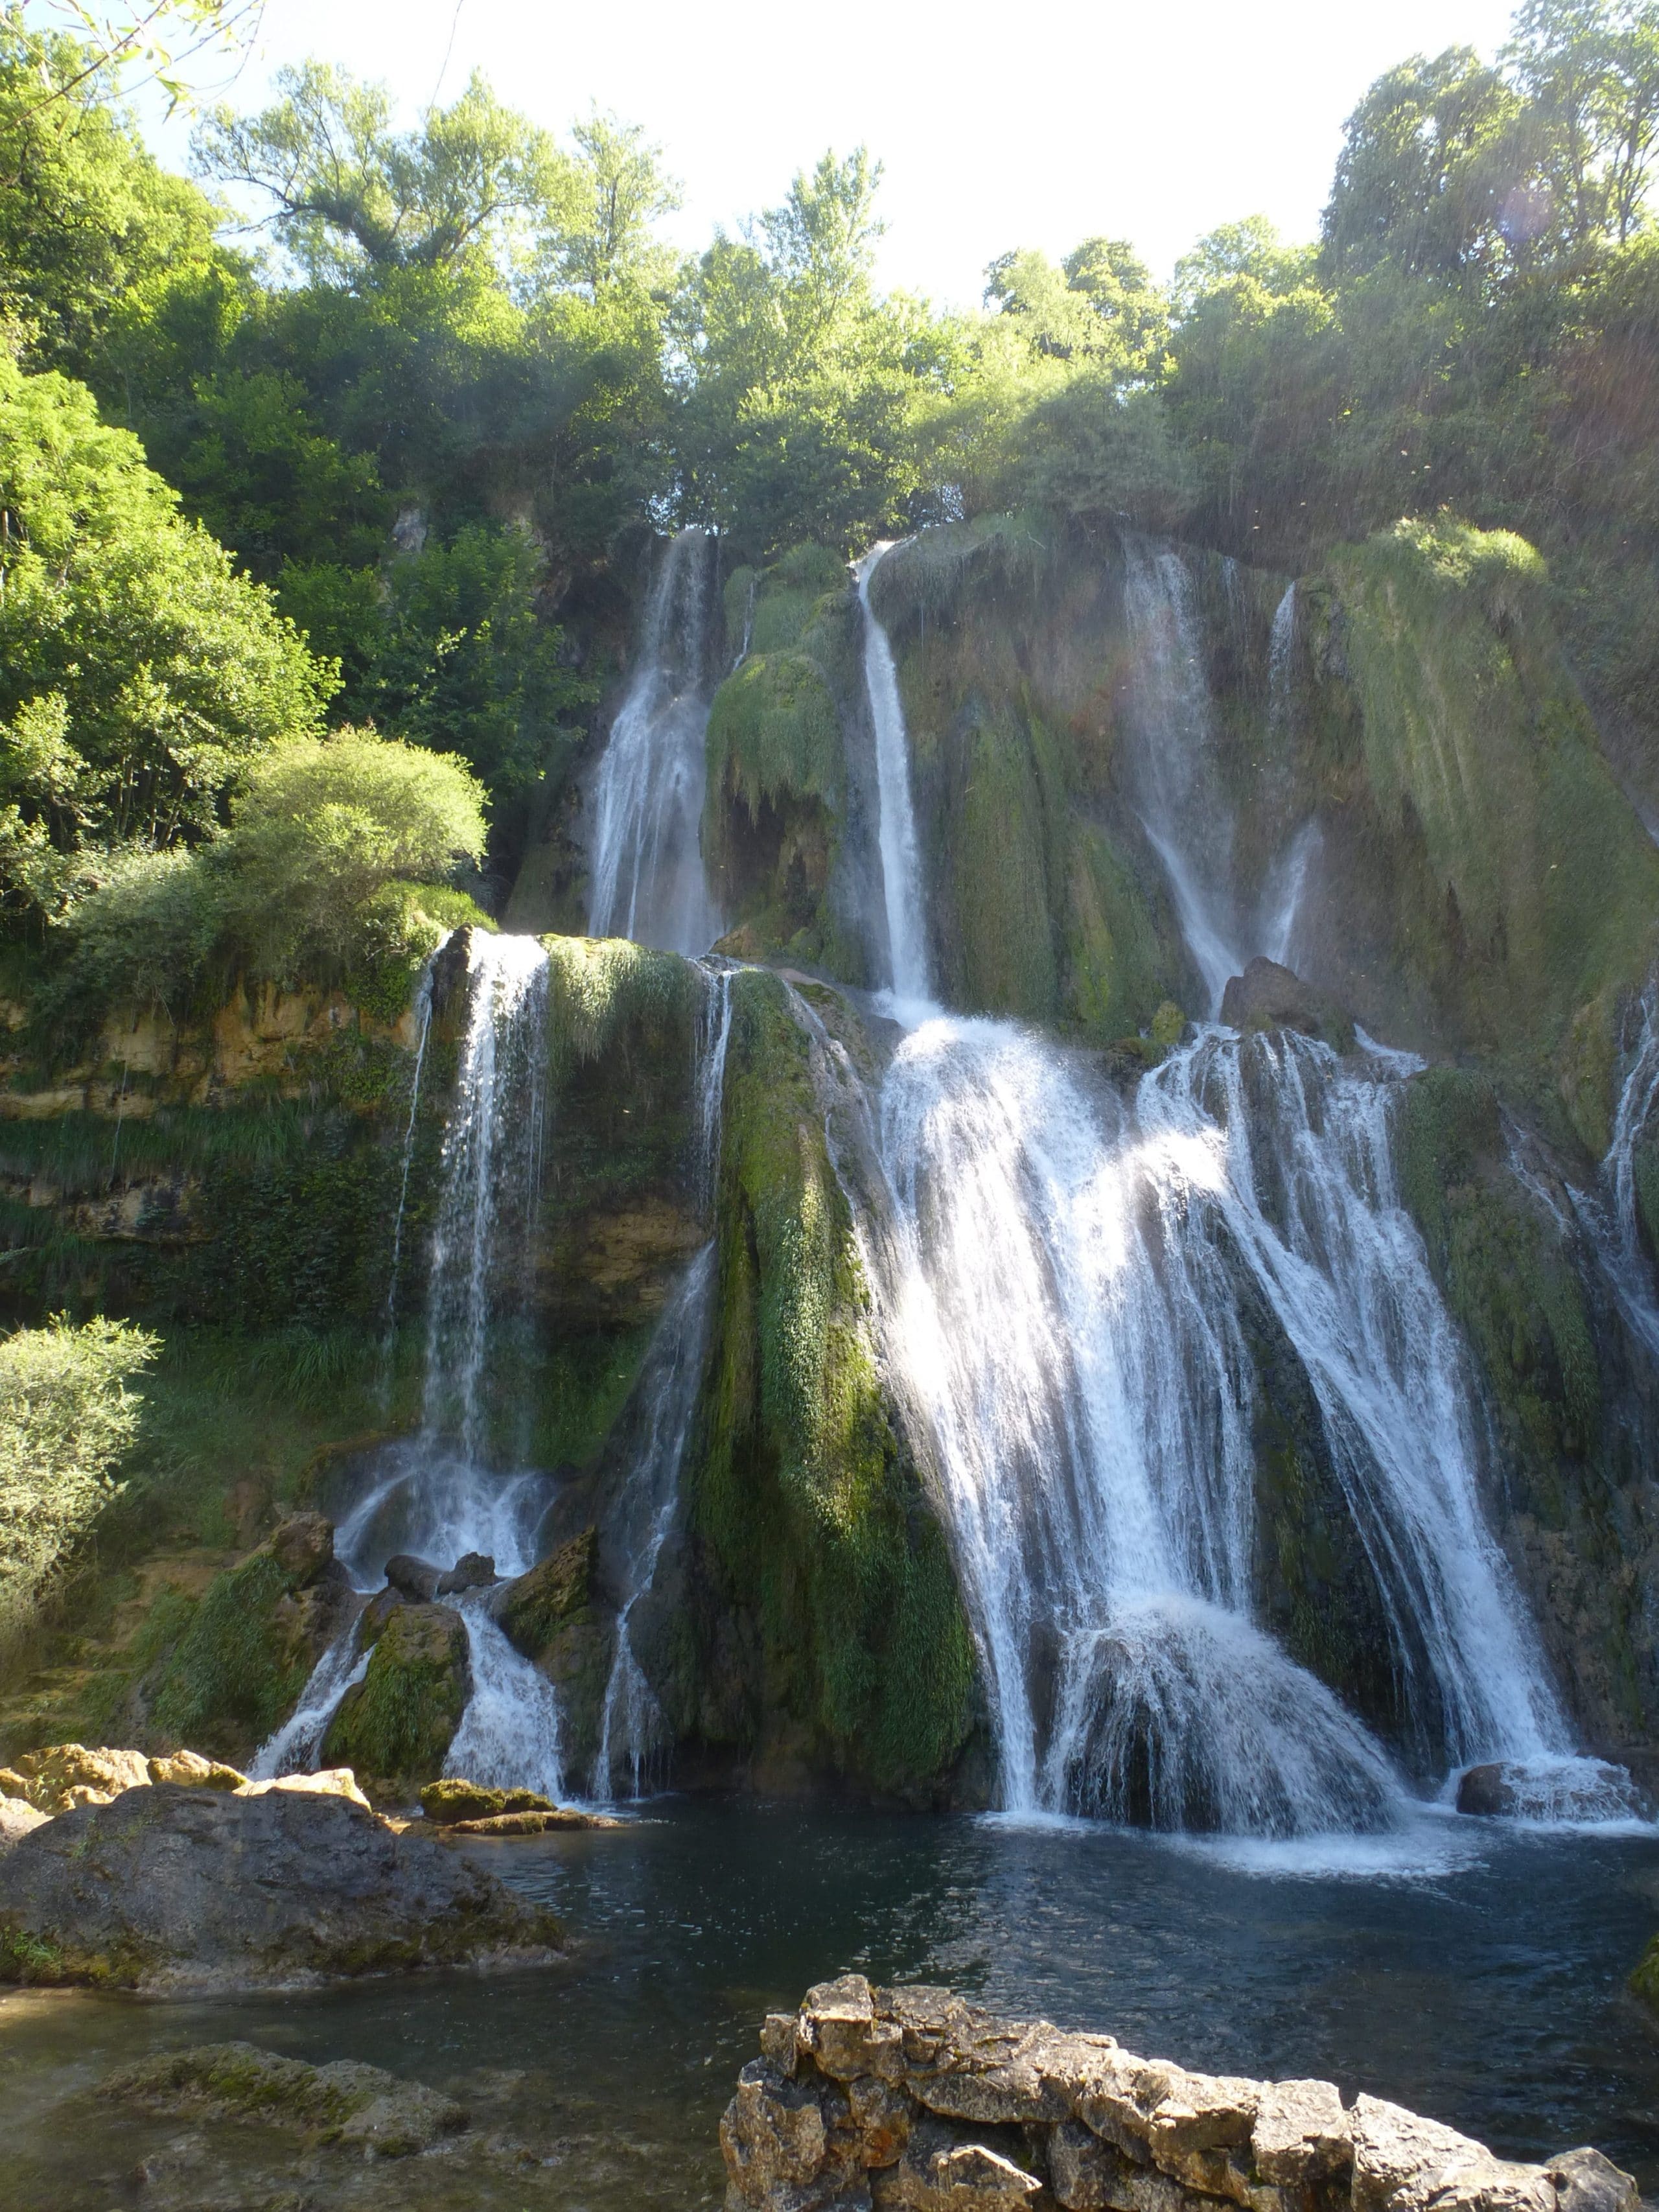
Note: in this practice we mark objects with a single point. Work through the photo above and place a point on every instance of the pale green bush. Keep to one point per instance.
(66, 1417)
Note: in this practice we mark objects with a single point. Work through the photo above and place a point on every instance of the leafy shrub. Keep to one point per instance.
(313, 879)
(66, 1417)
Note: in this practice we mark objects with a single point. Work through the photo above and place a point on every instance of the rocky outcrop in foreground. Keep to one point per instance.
(171, 1889)
(912, 2098)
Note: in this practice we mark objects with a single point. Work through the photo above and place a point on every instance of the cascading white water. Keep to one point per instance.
(646, 875)
(1062, 1296)
(632, 1732)
(437, 1496)
(1281, 639)
(490, 1178)
(901, 853)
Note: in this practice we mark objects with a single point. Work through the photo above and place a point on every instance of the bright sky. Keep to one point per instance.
(1030, 122)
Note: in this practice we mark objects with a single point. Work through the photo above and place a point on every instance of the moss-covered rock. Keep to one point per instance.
(248, 1644)
(1511, 883)
(397, 1724)
(446, 1801)
(825, 1625)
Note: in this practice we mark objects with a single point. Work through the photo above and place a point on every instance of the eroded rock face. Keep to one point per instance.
(171, 1890)
(913, 2098)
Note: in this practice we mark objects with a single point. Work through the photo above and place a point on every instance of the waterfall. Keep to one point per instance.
(1183, 807)
(421, 1014)
(491, 1173)
(1280, 638)
(1631, 1270)
(437, 1496)
(901, 854)
(1062, 1298)
(646, 874)
(632, 1731)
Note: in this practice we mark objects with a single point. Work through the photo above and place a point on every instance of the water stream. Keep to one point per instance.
(646, 877)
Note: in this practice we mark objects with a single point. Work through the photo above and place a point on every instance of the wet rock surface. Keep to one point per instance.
(170, 1890)
(912, 2098)
(1267, 996)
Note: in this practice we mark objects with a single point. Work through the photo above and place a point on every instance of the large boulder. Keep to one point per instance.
(172, 1890)
(397, 1724)
(1267, 996)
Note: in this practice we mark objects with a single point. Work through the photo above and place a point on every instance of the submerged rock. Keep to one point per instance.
(343, 2102)
(913, 2098)
(170, 1890)
(1267, 996)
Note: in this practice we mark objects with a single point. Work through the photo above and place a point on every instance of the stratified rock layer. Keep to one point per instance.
(912, 2098)
(170, 1890)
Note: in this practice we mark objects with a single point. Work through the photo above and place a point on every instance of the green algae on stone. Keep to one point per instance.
(809, 1514)
(396, 1724)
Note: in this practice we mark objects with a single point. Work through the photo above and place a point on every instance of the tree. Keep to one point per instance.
(89, 223)
(351, 196)
(621, 193)
(1590, 71)
(139, 674)
(1435, 171)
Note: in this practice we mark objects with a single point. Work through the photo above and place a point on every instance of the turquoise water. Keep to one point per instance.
(1473, 1971)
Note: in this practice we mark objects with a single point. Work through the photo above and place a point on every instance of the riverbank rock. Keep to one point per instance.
(328, 1782)
(171, 1890)
(1267, 996)
(65, 1774)
(343, 2102)
(871, 2099)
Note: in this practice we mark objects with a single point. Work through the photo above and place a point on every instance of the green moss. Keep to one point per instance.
(1645, 1978)
(788, 598)
(802, 1495)
(598, 985)
(240, 1664)
(397, 1721)
(1506, 1275)
(552, 1595)
(1522, 884)
(1004, 934)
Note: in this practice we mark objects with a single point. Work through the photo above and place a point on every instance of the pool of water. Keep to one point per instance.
(1473, 1971)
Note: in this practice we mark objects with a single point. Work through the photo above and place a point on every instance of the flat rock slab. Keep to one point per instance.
(531, 1823)
(343, 2102)
(175, 1891)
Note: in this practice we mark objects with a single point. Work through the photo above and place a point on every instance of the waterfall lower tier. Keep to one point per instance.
(1071, 1307)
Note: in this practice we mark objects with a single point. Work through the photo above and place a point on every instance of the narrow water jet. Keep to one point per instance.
(901, 853)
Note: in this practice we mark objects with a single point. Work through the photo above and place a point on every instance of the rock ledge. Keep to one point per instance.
(912, 2098)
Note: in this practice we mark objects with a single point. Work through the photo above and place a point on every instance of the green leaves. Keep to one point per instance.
(66, 1417)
